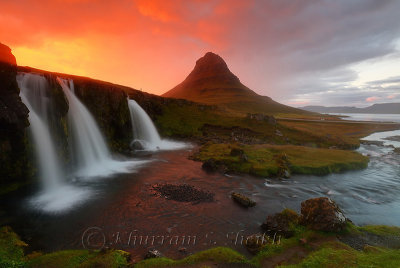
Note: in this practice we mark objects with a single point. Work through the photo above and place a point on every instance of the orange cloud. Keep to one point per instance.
(153, 44)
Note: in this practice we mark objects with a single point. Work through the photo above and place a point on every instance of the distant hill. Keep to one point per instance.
(379, 108)
(211, 82)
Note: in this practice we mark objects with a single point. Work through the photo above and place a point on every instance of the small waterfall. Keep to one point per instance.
(145, 134)
(34, 94)
(89, 149)
(143, 128)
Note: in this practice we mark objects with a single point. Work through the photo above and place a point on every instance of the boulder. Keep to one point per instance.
(153, 253)
(243, 200)
(137, 145)
(254, 243)
(322, 214)
(239, 152)
(280, 223)
(210, 165)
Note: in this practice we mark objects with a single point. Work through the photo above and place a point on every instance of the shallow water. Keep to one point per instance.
(122, 210)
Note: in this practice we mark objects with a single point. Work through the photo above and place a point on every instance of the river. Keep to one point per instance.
(123, 210)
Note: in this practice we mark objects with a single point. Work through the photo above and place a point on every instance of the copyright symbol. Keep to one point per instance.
(93, 238)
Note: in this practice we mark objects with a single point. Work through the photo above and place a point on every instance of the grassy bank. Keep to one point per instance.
(12, 255)
(306, 248)
(269, 160)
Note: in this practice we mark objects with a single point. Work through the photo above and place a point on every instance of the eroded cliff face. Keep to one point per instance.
(108, 104)
(105, 101)
(14, 158)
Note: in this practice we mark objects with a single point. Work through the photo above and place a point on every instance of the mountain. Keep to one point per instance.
(379, 108)
(211, 82)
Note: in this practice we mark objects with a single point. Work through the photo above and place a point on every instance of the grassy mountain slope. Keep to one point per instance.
(211, 82)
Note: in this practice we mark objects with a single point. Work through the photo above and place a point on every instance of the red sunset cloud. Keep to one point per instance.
(277, 48)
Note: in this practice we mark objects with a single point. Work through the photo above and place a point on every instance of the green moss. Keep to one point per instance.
(216, 255)
(382, 230)
(80, 258)
(265, 160)
(11, 249)
(337, 255)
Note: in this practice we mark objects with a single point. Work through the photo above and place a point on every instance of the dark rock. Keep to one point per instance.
(392, 138)
(6, 56)
(182, 250)
(210, 165)
(153, 253)
(280, 223)
(396, 150)
(322, 214)
(283, 164)
(137, 145)
(377, 143)
(262, 118)
(236, 152)
(254, 243)
(221, 134)
(239, 152)
(14, 156)
(183, 193)
(243, 200)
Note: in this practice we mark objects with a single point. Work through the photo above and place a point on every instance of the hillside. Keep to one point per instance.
(211, 82)
(379, 108)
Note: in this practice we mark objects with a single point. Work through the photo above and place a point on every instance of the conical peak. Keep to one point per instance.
(211, 65)
(211, 60)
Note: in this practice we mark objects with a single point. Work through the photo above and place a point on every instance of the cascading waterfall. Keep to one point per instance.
(56, 195)
(89, 149)
(34, 94)
(145, 134)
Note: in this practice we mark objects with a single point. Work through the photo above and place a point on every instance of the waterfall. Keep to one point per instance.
(34, 94)
(145, 134)
(88, 148)
(56, 195)
(144, 131)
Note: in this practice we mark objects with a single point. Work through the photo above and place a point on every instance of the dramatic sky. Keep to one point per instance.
(337, 52)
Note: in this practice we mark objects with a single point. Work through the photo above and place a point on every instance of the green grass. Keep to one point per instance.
(263, 160)
(334, 255)
(11, 249)
(12, 255)
(80, 258)
(382, 230)
(216, 255)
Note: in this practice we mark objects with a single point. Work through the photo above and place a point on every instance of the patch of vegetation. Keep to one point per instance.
(12, 255)
(381, 230)
(341, 135)
(265, 160)
(11, 249)
(337, 255)
(81, 258)
(216, 255)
